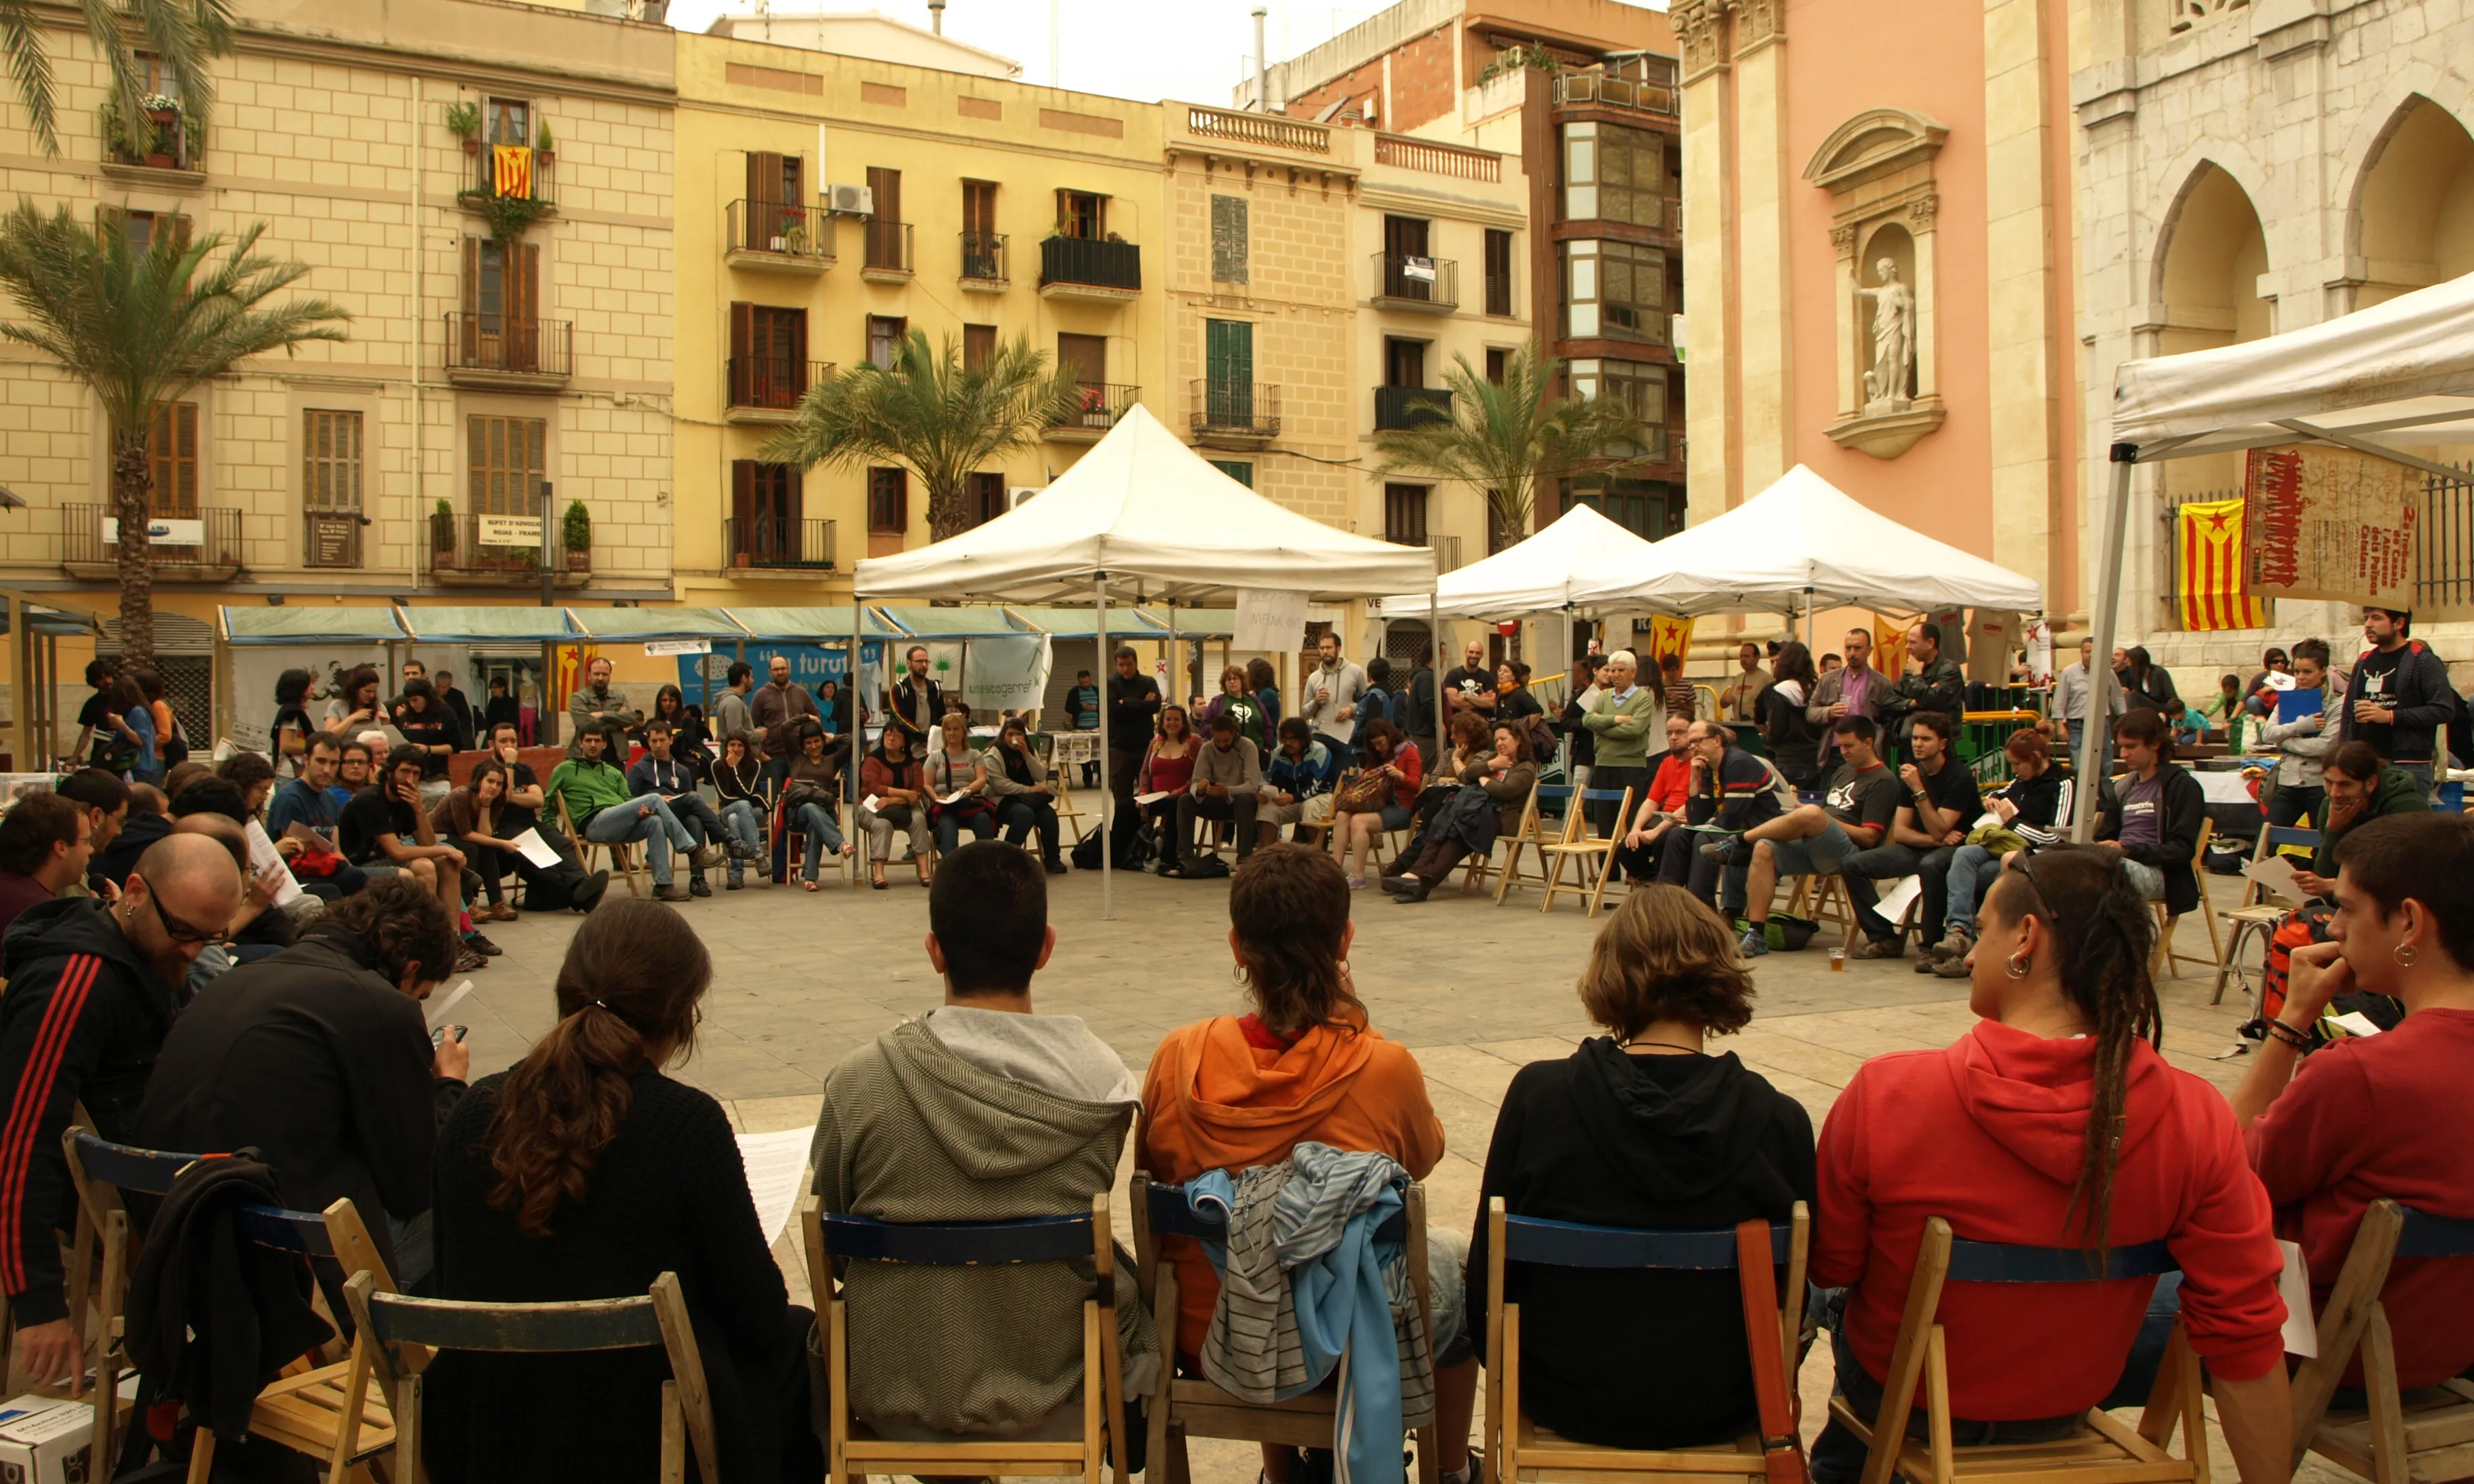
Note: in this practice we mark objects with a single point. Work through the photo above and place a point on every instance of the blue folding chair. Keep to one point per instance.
(851, 1450)
(1192, 1407)
(1521, 1453)
(2256, 913)
(2399, 1437)
(2101, 1451)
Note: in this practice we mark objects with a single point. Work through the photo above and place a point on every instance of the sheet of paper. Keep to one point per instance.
(536, 849)
(1151, 798)
(311, 838)
(2275, 873)
(2277, 680)
(777, 1175)
(2356, 1022)
(868, 802)
(436, 1010)
(261, 855)
(1894, 902)
(952, 797)
(2294, 1287)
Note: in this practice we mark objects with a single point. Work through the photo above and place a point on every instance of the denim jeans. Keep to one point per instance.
(701, 824)
(739, 817)
(1021, 816)
(949, 827)
(1972, 872)
(822, 833)
(659, 829)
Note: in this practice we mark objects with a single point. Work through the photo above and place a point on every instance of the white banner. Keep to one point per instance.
(662, 647)
(508, 530)
(1006, 674)
(2040, 652)
(1269, 620)
(161, 531)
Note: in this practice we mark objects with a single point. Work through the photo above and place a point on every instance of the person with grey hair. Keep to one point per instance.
(1622, 720)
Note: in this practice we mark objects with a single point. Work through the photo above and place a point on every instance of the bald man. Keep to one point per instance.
(91, 995)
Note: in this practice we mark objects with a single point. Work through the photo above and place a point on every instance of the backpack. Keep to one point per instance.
(2304, 925)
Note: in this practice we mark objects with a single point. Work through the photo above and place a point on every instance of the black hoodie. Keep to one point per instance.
(82, 1020)
(1638, 1359)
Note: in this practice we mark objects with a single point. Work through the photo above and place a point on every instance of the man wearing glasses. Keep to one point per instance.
(91, 989)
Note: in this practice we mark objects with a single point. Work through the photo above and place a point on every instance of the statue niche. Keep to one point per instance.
(1878, 167)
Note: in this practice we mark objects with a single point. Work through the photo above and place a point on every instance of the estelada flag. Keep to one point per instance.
(1666, 636)
(511, 170)
(1889, 648)
(2211, 556)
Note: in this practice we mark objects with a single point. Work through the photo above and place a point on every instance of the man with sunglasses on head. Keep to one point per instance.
(90, 998)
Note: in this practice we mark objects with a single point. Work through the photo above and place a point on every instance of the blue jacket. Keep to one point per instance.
(297, 803)
(1302, 777)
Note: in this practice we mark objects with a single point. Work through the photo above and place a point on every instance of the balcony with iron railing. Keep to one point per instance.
(499, 551)
(1101, 406)
(1446, 548)
(1408, 283)
(195, 546)
(984, 262)
(778, 236)
(1399, 408)
(778, 543)
(888, 250)
(161, 148)
(1240, 412)
(481, 184)
(767, 388)
(503, 354)
(1099, 268)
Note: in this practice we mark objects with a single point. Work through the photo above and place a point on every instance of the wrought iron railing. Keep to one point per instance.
(484, 546)
(888, 246)
(778, 542)
(497, 342)
(1412, 279)
(778, 228)
(773, 381)
(983, 256)
(484, 179)
(1250, 408)
(1401, 407)
(209, 536)
(1100, 405)
(1095, 261)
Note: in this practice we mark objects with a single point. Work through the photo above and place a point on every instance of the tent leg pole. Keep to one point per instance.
(1435, 638)
(851, 674)
(1108, 786)
(2097, 733)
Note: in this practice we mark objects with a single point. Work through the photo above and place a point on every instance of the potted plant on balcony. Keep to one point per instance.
(464, 122)
(543, 144)
(442, 537)
(576, 529)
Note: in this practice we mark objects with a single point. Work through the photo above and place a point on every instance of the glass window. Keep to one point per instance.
(1639, 387)
(1614, 290)
(331, 448)
(1236, 468)
(885, 340)
(510, 121)
(172, 458)
(504, 461)
(1228, 239)
(1615, 174)
(889, 501)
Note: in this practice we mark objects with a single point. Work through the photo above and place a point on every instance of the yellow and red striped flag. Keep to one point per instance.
(2210, 557)
(511, 171)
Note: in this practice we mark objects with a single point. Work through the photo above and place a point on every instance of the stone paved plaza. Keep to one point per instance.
(1473, 989)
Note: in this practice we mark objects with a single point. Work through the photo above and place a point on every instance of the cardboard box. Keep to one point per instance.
(45, 1441)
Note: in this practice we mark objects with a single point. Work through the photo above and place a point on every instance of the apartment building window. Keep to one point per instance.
(331, 487)
(1240, 470)
(172, 458)
(1228, 239)
(508, 121)
(1404, 362)
(1637, 386)
(887, 237)
(768, 355)
(1613, 174)
(985, 493)
(1082, 213)
(144, 228)
(778, 179)
(1086, 357)
(505, 461)
(884, 332)
(1497, 361)
(1404, 514)
(764, 511)
(1498, 272)
(889, 501)
(1614, 290)
(978, 346)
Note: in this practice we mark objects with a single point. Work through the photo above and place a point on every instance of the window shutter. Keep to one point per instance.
(793, 346)
(742, 500)
(742, 353)
(527, 284)
(471, 349)
(764, 176)
(1228, 239)
(790, 507)
(181, 232)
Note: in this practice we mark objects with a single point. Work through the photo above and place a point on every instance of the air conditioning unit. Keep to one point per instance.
(850, 200)
(1020, 493)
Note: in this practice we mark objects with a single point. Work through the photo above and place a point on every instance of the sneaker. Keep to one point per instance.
(1754, 943)
(737, 881)
(1958, 945)
(483, 946)
(1357, 884)
(1879, 948)
(467, 961)
(1721, 850)
(589, 896)
(673, 893)
(709, 855)
(1953, 968)
(697, 886)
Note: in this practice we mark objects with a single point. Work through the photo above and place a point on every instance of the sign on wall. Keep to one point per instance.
(507, 530)
(2330, 524)
(161, 531)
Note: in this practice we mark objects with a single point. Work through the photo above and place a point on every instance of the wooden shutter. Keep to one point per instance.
(524, 307)
(742, 503)
(764, 176)
(471, 348)
(1228, 239)
(742, 353)
(978, 346)
(179, 231)
(1085, 355)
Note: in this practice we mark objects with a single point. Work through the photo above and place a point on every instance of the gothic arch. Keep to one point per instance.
(2409, 215)
(2210, 257)
(2219, 157)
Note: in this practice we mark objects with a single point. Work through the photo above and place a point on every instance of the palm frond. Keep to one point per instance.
(30, 66)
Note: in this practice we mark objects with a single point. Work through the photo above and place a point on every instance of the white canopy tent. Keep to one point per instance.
(1801, 543)
(2401, 373)
(1541, 575)
(1146, 515)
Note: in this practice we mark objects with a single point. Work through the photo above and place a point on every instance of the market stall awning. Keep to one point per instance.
(289, 626)
(809, 626)
(919, 622)
(506, 624)
(643, 626)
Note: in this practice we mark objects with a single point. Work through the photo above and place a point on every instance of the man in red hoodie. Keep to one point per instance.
(2381, 1116)
(1993, 1134)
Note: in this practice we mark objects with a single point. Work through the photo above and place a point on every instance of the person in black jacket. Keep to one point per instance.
(140, 827)
(1644, 1128)
(90, 998)
(320, 1059)
(2152, 818)
(2399, 697)
(585, 1172)
(1134, 715)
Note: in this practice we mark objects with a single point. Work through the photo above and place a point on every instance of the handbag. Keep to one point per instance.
(1359, 793)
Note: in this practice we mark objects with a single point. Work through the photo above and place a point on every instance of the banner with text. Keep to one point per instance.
(2330, 524)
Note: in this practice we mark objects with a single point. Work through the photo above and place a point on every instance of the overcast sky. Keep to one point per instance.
(1119, 47)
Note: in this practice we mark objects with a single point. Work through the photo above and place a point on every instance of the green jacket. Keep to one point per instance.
(1623, 730)
(2399, 792)
(585, 787)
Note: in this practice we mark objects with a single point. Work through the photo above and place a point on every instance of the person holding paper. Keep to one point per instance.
(468, 817)
(1167, 767)
(1940, 805)
(662, 771)
(2361, 788)
(319, 1057)
(2381, 1117)
(985, 1108)
(2400, 697)
(892, 795)
(746, 801)
(543, 858)
(958, 784)
(2029, 813)
(2296, 729)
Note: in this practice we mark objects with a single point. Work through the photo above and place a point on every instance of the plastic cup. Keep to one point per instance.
(1839, 961)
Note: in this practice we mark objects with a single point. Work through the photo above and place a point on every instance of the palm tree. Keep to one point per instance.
(1506, 437)
(180, 34)
(139, 330)
(928, 411)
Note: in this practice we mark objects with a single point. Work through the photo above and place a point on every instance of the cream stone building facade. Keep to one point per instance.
(2249, 169)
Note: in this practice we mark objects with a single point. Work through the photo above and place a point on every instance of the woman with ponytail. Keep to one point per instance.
(2053, 1122)
(584, 1171)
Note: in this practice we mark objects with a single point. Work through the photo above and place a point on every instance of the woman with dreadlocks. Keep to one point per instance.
(2053, 1122)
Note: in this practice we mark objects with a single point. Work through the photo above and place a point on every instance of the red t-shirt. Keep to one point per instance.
(1672, 788)
(2382, 1117)
(1989, 1134)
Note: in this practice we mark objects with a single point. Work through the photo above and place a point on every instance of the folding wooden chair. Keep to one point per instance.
(1580, 846)
(623, 857)
(2255, 914)
(1191, 1407)
(2417, 1436)
(2167, 957)
(1519, 1451)
(1532, 835)
(405, 1333)
(852, 1450)
(2101, 1451)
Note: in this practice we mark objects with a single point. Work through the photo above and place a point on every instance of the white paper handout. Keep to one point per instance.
(536, 849)
(2294, 1287)
(1147, 799)
(2275, 873)
(777, 1171)
(436, 1011)
(868, 802)
(2356, 1022)
(1894, 902)
(261, 855)
(953, 796)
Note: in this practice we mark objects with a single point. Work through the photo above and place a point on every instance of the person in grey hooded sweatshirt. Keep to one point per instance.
(980, 1110)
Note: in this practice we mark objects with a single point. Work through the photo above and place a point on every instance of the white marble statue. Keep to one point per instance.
(1894, 340)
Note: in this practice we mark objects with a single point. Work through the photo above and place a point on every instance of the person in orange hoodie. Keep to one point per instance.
(1303, 1065)
(2002, 1134)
